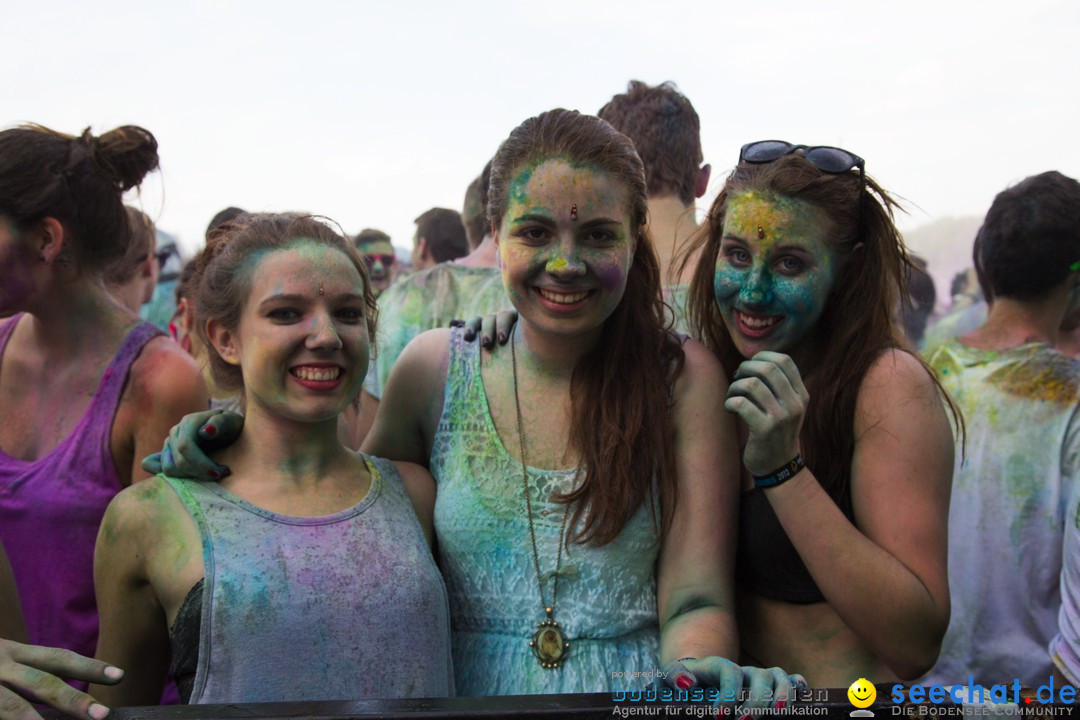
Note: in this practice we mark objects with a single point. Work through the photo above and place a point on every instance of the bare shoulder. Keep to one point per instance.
(430, 347)
(701, 373)
(895, 380)
(139, 512)
(164, 369)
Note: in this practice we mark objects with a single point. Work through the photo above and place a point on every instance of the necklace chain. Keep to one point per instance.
(556, 646)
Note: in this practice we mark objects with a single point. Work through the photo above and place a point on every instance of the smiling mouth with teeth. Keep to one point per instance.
(757, 323)
(317, 374)
(563, 298)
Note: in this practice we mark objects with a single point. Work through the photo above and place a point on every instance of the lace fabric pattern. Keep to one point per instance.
(606, 601)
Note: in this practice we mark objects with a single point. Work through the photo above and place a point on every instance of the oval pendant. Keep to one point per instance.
(548, 644)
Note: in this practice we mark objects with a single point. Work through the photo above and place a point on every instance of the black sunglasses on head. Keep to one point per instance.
(827, 159)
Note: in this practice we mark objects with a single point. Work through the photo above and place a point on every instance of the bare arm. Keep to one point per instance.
(695, 574)
(133, 634)
(420, 487)
(163, 385)
(411, 403)
(886, 578)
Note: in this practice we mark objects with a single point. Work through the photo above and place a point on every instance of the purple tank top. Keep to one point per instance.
(51, 508)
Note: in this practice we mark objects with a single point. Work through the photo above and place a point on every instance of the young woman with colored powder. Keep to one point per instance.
(841, 566)
(587, 479)
(85, 386)
(305, 570)
(586, 471)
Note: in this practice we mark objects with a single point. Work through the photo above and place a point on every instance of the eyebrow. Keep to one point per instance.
(533, 217)
(547, 219)
(300, 299)
(783, 246)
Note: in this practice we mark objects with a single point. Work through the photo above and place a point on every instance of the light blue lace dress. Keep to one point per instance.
(607, 595)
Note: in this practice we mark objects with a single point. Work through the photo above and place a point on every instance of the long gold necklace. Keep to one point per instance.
(548, 643)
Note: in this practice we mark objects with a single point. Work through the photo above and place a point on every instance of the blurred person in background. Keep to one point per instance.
(463, 287)
(666, 133)
(1012, 486)
(440, 237)
(133, 278)
(379, 255)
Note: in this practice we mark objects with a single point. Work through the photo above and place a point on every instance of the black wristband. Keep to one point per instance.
(778, 477)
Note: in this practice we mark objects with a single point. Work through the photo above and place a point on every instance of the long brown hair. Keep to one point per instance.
(856, 325)
(621, 423)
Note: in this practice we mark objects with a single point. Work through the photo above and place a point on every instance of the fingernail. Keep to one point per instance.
(469, 335)
(485, 340)
(214, 474)
(780, 704)
(684, 682)
(97, 711)
(113, 673)
(210, 430)
(225, 472)
(502, 338)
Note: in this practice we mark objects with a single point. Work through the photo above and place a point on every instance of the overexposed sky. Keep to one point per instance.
(372, 112)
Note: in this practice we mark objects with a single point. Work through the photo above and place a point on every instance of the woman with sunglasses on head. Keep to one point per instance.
(586, 479)
(847, 448)
(85, 386)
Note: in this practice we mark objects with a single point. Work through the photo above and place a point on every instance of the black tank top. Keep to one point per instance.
(765, 560)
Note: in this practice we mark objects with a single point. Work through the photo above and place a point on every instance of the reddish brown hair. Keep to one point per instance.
(621, 421)
(856, 325)
(79, 181)
(666, 132)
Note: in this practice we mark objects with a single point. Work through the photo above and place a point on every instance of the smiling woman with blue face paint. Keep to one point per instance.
(846, 445)
(303, 570)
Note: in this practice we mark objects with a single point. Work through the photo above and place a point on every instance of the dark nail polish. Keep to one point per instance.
(502, 338)
(225, 472)
(684, 682)
(213, 473)
(780, 704)
(210, 430)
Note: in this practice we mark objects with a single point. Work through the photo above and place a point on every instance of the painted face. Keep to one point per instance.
(774, 272)
(18, 279)
(381, 264)
(565, 246)
(302, 339)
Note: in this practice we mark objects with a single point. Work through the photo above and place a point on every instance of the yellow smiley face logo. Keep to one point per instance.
(862, 693)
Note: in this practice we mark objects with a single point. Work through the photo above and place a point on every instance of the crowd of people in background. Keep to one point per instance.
(742, 447)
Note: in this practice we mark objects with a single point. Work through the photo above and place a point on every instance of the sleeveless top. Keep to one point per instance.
(606, 602)
(340, 607)
(766, 561)
(51, 509)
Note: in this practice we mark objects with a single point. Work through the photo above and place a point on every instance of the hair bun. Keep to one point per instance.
(127, 153)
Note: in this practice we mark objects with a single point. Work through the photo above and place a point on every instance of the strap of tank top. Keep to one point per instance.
(460, 373)
(6, 330)
(103, 407)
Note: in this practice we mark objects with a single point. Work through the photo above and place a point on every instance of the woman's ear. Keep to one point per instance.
(224, 341)
(50, 240)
